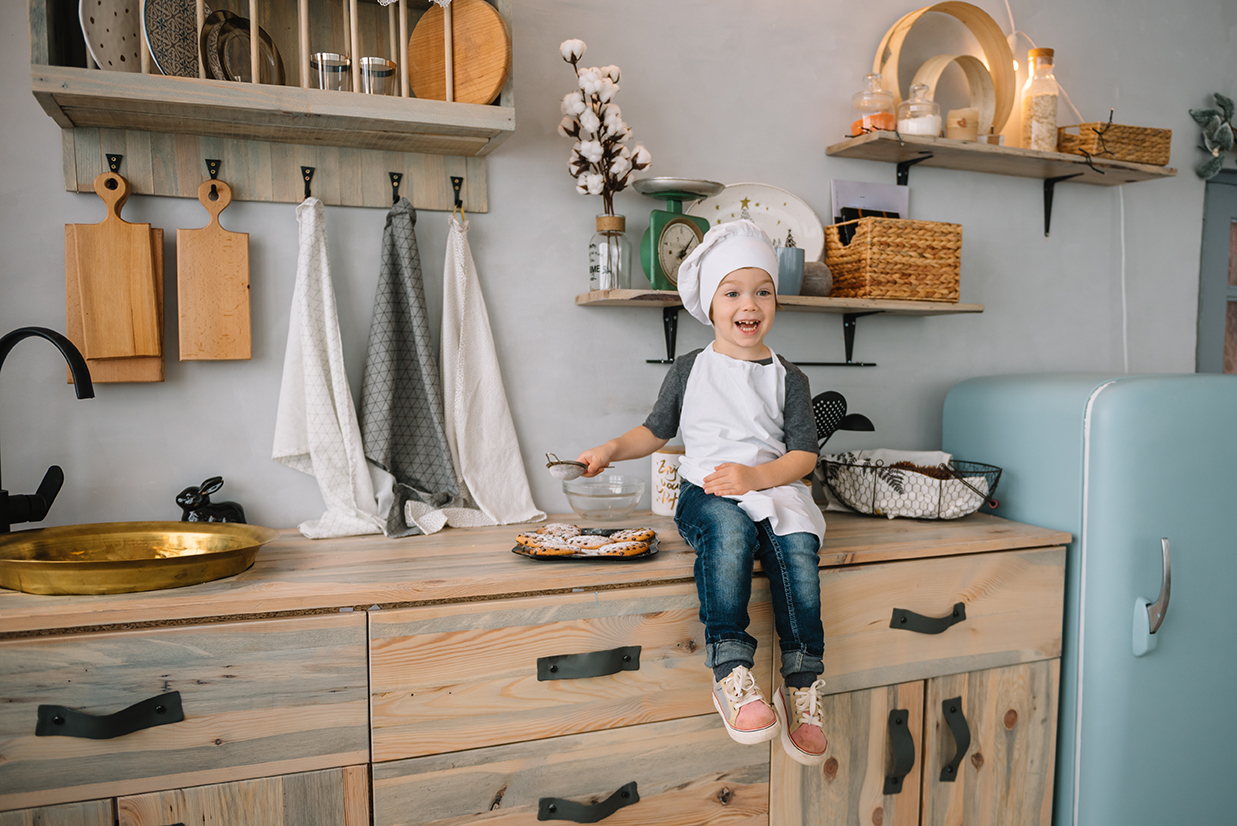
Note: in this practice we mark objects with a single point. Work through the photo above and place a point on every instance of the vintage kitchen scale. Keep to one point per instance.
(672, 234)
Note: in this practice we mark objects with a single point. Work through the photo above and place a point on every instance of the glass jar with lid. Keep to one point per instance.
(1039, 103)
(872, 107)
(609, 255)
(920, 115)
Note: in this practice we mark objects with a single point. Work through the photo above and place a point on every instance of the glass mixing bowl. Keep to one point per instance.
(606, 498)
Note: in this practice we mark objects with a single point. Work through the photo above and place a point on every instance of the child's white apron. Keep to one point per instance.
(732, 412)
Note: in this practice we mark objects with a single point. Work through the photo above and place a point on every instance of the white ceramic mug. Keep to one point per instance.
(666, 479)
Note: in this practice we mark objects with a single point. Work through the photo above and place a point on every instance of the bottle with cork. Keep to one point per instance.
(1039, 103)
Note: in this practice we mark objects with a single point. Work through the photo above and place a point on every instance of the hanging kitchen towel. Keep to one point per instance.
(316, 428)
(402, 424)
(479, 427)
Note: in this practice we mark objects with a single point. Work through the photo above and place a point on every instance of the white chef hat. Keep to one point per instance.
(725, 248)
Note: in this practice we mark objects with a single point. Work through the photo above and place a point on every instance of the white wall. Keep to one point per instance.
(724, 90)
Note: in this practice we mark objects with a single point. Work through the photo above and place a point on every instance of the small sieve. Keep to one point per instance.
(564, 470)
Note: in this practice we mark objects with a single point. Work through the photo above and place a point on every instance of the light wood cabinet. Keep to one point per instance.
(412, 679)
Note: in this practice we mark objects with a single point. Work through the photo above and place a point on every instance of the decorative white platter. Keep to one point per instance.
(113, 33)
(171, 31)
(774, 210)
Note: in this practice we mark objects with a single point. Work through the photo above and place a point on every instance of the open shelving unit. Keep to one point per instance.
(1052, 167)
(851, 309)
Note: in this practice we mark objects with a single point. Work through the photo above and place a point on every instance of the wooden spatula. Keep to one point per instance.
(116, 280)
(212, 284)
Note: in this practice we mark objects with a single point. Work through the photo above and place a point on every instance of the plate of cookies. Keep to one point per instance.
(559, 540)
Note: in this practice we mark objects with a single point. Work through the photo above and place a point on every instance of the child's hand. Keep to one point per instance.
(597, 459)
(730, 479)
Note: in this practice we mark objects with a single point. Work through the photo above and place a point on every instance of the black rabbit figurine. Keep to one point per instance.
(196, 506)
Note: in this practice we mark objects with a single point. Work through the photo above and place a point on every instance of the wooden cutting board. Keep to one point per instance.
(108, 371)
(212, 285)
(481, 50)
(115, 270)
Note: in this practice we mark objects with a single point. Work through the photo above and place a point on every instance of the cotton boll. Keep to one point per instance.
(620, 166)
(582, 185)
(624, 152)
(606, 89)
(589, 122)
(641, 158)
(591, 150)
(595, 183)
(611, 72)
(573, 103)
(572, 50)
(568, 128)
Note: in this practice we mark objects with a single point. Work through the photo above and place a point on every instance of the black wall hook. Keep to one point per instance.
(457, 183)
(113, 162)
(212, 169)
(396, 177)
(307, 172)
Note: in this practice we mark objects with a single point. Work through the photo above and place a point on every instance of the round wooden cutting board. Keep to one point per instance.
(481, 48)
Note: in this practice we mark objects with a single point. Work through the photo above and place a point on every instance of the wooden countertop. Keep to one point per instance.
(294, 575)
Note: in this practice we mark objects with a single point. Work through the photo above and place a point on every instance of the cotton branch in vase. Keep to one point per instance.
(601, 161)
(1217, 134)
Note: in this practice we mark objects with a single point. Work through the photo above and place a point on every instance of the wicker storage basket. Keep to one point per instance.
(1136, 144)
(895, 258)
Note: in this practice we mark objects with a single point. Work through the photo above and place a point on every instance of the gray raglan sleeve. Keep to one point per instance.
(663, 421)
(799, 426)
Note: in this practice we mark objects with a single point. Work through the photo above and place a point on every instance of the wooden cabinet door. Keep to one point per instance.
(1005, 776)
(90, 813)
(849, 788)
(336, 797)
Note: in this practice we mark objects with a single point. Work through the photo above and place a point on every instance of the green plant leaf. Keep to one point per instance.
(1209, 168)
(1226, 105)
(1224, 137)
(1202, 116)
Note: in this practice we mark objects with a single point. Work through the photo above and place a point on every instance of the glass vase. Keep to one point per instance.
(609, 255)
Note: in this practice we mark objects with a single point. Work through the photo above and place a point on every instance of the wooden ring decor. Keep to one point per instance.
(991, 39)
(983, 92)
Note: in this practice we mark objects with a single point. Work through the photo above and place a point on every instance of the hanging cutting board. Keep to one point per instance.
(115, 268)
(108, 371)
(481, 53)
(212, 285)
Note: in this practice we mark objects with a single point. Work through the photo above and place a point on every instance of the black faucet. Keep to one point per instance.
(33, 507)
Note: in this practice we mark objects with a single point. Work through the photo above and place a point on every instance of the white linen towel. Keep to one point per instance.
(316, 429)
(479, 428)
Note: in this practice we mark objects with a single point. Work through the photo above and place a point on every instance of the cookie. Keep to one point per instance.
(555, 549)
(559, 529)
(588, 543)
(624, 549)
(530, 540)
(633, 535)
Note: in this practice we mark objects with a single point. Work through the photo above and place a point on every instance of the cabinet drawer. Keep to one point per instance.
(452, 677)
(90, 813)
(1013, 613)
(685, 772)
(258, 698)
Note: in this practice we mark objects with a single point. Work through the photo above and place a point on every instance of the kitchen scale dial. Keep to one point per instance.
(671, 235)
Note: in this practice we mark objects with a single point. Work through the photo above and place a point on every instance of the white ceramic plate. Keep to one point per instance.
(171, 31)
(774, 210)
(113, 33)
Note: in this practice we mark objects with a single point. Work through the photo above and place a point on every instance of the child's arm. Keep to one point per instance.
(634, 444)
(731, 479)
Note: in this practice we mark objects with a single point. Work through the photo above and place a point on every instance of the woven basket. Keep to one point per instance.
(1136, 144)
(896, 258)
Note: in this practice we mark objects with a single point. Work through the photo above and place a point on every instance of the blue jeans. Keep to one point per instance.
(727, 542)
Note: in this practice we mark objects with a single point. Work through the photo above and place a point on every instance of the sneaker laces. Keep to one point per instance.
(807, 704)
(741, 688)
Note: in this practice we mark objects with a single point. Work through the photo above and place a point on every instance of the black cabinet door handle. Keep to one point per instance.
(58, 721)
(592, 664)
(910, 621)
(903, 745)
(553, 808)
(962, 737)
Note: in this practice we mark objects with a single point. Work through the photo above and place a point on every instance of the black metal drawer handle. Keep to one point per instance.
(903, 750)
(592, 664)
(58, 721)
(920, 624)
(962, 737)
(553, 808)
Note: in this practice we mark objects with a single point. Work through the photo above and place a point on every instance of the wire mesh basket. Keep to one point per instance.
(947, 491)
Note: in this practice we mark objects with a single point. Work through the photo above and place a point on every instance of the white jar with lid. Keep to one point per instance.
(919, 115)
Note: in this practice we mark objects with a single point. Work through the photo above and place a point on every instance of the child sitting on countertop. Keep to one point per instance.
(748, 438)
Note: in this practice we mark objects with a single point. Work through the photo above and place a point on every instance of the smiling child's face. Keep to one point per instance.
(742, 313)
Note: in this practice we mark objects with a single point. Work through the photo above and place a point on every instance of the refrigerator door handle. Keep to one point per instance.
(1156, 612)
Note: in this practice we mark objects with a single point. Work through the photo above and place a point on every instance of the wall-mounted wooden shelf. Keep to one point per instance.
(850, 309)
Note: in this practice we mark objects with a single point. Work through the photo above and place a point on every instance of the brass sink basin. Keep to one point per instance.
(122, 557)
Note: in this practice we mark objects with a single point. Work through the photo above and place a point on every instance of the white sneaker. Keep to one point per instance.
(804, 703)
(736, 690)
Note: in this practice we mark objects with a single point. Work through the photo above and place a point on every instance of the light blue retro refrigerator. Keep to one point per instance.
(1147, 731)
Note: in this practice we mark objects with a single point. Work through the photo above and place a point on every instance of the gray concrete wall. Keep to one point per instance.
(724, 90)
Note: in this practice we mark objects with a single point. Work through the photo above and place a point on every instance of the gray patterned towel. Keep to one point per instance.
(401, 392)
